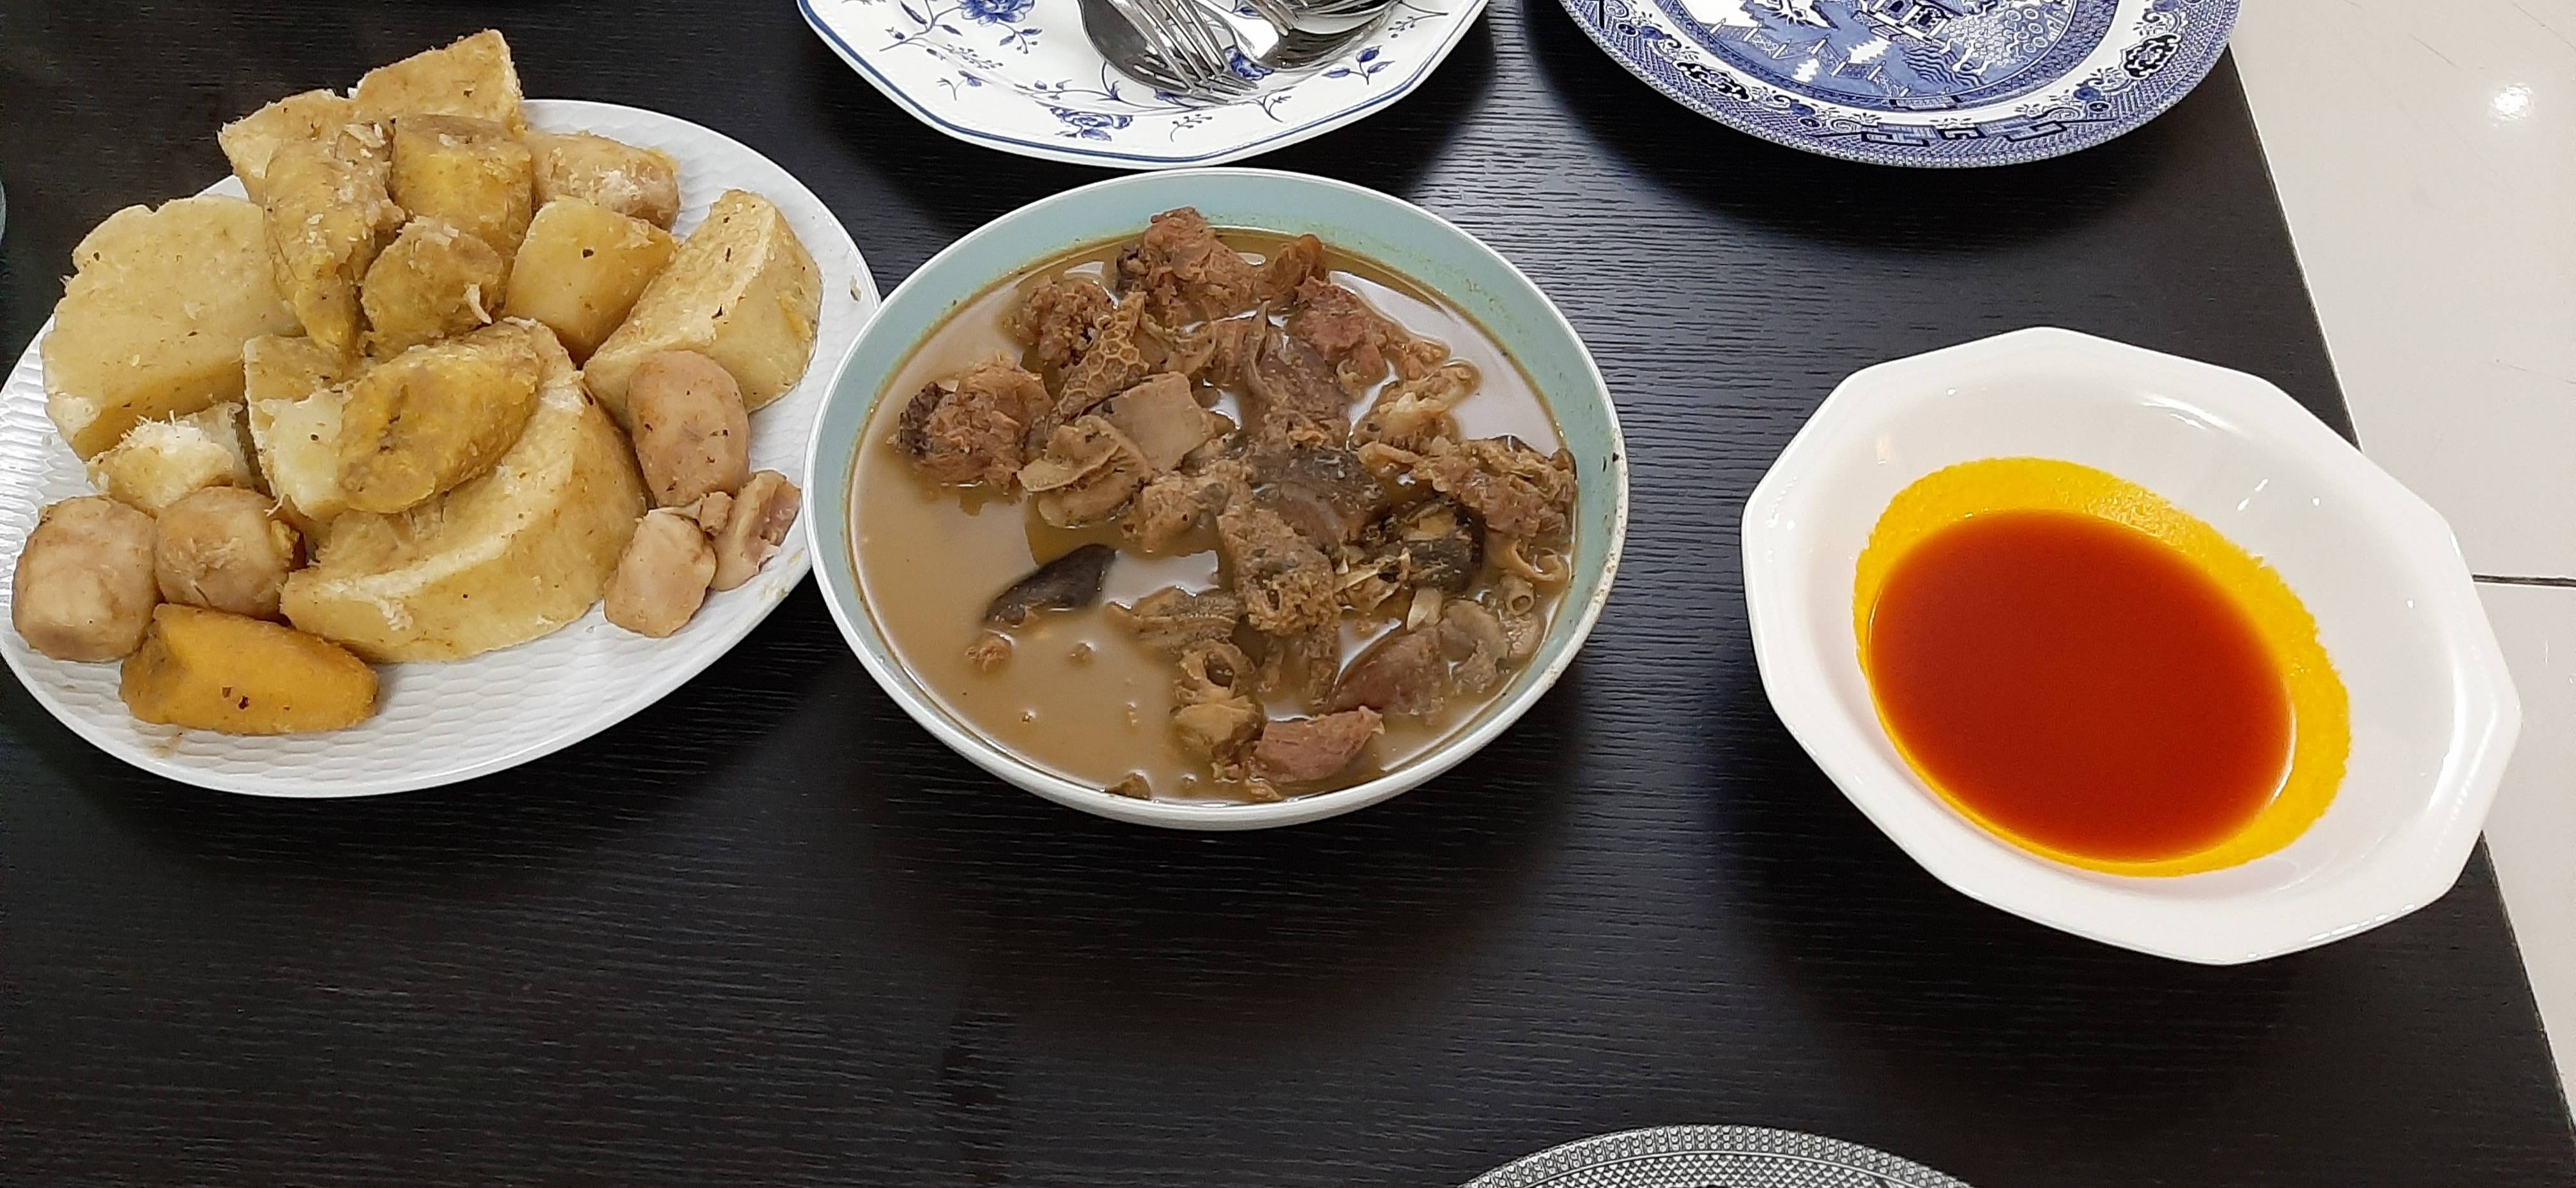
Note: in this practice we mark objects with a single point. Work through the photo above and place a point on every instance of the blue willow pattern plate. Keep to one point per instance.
(1937, 83)
(1712, 1157)
(1020, 76)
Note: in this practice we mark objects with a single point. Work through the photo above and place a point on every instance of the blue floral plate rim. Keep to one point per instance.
(1746, 1156)
(1207, 145)
(2170, 46)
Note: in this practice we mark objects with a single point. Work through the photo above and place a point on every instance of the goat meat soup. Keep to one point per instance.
(1212, 514)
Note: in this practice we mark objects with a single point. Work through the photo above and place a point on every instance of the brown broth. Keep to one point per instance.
(1079, 696)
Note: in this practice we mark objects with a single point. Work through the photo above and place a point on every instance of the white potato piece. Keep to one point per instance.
(221, 548)
(152, 321)
(471, 77)
(581, 268)
(641, 183)
(161, 461)
(505, 558)
(84, 589)
(742, 291)
(251, 140)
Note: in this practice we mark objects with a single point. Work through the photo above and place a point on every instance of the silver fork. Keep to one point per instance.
(1170, 45)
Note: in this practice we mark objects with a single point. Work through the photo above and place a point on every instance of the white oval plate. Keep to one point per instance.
(1020, 76)
(441, 723)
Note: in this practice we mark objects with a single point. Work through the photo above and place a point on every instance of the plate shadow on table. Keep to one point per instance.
(1878, 207)
(959, 187)
(1980, 1008)
(1176, 936)
(499, 827)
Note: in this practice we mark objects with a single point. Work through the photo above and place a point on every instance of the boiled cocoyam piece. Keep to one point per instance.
(742, 291)
(503, 559)
(327, 209)
(581, 269)
(251, 140)
(436, 415)
(298, 444)
(277, 367)
(641, 183)
(152, 321)
(208, 670)
(431, 282)
(161, 461)
(472, 77)
(472, 174)
(84, 588)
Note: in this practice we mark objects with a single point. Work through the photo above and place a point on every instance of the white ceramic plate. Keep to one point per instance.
(440, 723)
(1020, 76)
(2433, 712)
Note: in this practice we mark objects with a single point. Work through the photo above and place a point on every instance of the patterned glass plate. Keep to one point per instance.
(1020, 76)
(441, 723)
(1935, 83)
(1712, 1157)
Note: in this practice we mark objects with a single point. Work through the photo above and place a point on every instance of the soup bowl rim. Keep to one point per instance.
(844, 595)
(2418, 852)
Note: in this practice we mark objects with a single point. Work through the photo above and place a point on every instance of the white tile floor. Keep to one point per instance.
(2428, 170)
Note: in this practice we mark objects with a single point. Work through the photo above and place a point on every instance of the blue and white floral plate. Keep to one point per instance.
(1933, 83)
(1020, 76)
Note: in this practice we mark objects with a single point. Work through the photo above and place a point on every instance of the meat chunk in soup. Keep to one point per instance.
(1520, 493)
(1060, 317)
(1412, 413)
(1187, 273)
(974, 429)
(1324, 491)
(1291, 388)
(1087, 474)
(1162, 416)
(1285, 582)
(1172, 506)
(1304, 750)
(1404, 673)
(1065, 583)
(1112, 363)
(1174, 621)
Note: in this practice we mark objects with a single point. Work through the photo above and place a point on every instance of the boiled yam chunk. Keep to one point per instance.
(161, 461)
(436, 415)
(473, 77)
(471, 174)
(742, 291)
(433, 281)
(152, 321)
(298, 444)
(251, 140)
(505, 558)
(208, 670)
(582, 268)
(327, 213)
(640, 183)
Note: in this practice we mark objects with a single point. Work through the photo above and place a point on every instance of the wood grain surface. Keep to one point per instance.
(771, 933)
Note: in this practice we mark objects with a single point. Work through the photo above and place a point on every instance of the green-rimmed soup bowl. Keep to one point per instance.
(1402, 237)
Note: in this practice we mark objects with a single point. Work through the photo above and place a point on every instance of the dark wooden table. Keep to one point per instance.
(769, 932)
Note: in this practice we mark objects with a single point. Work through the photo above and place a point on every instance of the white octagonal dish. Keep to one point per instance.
(2433, 712)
